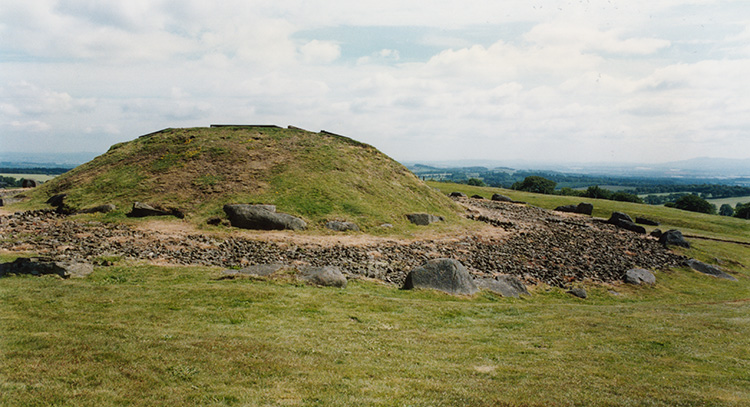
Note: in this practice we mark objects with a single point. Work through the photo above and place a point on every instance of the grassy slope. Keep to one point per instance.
(313, 175)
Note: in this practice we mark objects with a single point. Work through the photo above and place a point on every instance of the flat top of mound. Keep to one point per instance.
(318, 176)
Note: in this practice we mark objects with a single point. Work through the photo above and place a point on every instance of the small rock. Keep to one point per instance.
(477, 196)
(423, 219)
(656, 233)
(457, 195)
(578, 292)
(342, 226)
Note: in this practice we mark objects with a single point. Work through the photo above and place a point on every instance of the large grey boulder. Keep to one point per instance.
(585, 208)
(566, 208)
(423, 219)
(38, 266)
(504, 285)
(704, 268)
(646, 221)
(623, 221)
(259, 217)
(673, 237)
(340, 226)
(447, 275)
(618, 216)
(501, 198)
(639, 277)
(142, 210)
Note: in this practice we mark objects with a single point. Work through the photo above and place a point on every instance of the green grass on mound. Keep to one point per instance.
(318, 176)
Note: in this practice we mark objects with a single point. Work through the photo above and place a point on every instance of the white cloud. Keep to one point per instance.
(320, 52)
(24, 98)
(489, 80)
(35, 126)
(584, 38)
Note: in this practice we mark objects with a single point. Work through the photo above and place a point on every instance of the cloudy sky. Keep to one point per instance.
(567, 80)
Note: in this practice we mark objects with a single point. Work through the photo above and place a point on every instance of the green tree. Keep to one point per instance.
(568, 191)
(476, 182)
(742, 211)
(535, 183)
(726, 210)
(597, 192)
(694, 203)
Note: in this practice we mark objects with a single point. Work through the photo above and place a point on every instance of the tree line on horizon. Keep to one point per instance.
(687, 202)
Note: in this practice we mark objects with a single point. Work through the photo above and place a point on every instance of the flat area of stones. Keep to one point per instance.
(540, 246)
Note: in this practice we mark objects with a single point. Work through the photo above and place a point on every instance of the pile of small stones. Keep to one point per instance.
(542, 247)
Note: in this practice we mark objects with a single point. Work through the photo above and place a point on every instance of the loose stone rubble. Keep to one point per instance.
(536, 246)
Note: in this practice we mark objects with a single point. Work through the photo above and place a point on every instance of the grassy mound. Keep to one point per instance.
(318, 176)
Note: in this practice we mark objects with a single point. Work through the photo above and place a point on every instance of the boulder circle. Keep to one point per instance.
(446, 275)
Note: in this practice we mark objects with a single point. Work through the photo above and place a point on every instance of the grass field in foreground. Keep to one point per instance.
(146, 335)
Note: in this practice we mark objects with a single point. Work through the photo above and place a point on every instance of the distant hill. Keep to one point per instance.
(44, 160)
(319, 176)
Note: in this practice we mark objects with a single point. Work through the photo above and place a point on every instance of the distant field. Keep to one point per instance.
(612, 188)
(36, 177)
(731, 201)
